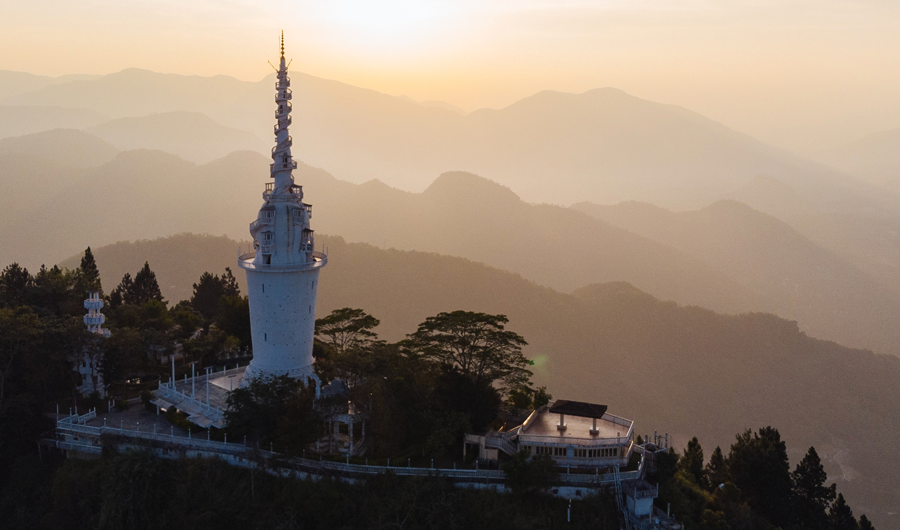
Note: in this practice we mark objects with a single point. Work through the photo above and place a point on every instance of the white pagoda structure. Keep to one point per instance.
(283, 268)
(88, 364)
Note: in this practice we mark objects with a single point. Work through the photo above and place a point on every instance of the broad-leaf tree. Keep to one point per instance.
(475, 344)
(346, 329)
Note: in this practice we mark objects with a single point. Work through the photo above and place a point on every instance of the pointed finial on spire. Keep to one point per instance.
(282, 43)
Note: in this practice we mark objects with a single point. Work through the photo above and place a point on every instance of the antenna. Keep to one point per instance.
(289, 63)
(273, 66)
(282, 43)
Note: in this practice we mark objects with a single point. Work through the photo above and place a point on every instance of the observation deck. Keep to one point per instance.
(246, 262)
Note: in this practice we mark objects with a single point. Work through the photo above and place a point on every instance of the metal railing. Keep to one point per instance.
(312, 465)
(559, 441)
(245, 261)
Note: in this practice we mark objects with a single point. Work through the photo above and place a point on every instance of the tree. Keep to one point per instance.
(759, 467)
(717, 469)
(19, 329)
(257, 409)
(864, 523)
(14, 284)
(840, 516)
(692, 462)
(475, 344)
(234, 318)
(526, 476)
(53, 289)
(145, 287)
(207, 295)
(345, 329)
(122, 293)
(89, 272)
(712, 520)
(229, 284)
(811, 496)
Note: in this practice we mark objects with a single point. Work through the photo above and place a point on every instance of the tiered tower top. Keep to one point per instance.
(282, 238)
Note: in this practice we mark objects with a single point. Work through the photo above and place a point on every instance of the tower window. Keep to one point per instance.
(265, 337)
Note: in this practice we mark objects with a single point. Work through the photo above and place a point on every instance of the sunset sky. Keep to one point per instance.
(802, 74)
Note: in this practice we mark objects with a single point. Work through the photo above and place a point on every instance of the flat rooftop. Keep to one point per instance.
(544, 423)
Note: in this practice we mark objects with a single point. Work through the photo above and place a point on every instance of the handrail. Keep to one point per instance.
(581, 442)
(311, 464)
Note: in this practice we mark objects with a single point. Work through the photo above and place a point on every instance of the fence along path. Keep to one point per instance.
(73, 425)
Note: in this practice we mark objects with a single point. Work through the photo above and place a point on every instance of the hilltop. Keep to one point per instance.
(684, 370)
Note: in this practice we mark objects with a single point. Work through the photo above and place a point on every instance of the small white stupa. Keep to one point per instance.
(88, 364)
(283, 269)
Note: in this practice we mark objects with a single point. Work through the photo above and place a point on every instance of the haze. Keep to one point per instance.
(691, 209)
(805, 75)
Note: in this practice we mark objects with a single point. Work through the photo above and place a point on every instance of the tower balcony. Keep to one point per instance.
(289, 120)
(282, 165)
(94, 320)
(93, 303)
(247, 262)
(263, 221)
(283, 145)
(295, 192)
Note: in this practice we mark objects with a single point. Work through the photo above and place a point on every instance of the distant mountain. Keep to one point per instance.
(682, 370)
(148, 194)
(866, 238)
(603, 145)
(66, 147)
(18, 121)
(14, 83)
(875, 158)
(828, 296)
(136, 92)
(190, 135)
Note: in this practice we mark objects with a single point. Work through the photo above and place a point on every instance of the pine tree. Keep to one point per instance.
(122, 293)
(759, 467)
(14, 284)
(89, 271)
(812, 496)
(692, 461)
(840, 516)
(207, 294)
(717, 469)
(864, 523)
(229, 284)
(145, 287)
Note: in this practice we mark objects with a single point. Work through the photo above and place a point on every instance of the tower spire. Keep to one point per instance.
(283, 161)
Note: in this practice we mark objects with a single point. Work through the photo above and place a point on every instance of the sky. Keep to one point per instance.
(805, 75)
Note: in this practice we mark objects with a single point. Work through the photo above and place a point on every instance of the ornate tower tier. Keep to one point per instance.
(283, 268)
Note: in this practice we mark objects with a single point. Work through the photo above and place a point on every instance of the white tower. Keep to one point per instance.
(89, 363)
(283, 269)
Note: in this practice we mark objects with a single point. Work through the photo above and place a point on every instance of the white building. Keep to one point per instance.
(88, 363)
(283, 268)
(575, 434)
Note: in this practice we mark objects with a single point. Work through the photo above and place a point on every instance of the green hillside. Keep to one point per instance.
(683, 370)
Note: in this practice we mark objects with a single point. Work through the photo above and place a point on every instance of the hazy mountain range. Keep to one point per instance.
(875, 158)
(725, 223)
(602, 145)
(683, 370)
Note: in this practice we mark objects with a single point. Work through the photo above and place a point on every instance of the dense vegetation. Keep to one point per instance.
(751, 487)
(453, 374)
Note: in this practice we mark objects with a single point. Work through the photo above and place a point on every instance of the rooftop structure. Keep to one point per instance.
(575, 434)
(283, 268)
